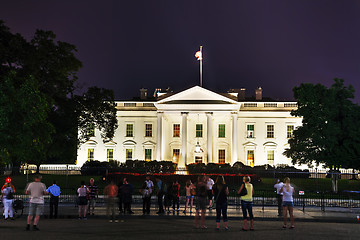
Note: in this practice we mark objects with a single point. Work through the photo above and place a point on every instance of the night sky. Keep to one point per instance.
(128, 44)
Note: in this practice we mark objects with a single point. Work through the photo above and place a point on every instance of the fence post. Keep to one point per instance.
(303, 201)
(263, 201)
(322, 201)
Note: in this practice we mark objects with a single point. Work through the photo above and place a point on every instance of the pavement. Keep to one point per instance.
(334, 223)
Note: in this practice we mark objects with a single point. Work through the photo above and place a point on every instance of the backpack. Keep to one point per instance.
(243, 190)
(10, 195)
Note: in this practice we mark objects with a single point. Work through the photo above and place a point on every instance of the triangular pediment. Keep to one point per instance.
(197, 95)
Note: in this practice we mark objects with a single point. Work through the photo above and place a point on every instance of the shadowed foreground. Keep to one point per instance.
(172, 228)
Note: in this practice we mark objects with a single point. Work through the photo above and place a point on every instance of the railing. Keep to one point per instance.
(322, 200)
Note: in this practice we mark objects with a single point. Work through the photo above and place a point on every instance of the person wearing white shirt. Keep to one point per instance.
(279, 195)
(209, 185)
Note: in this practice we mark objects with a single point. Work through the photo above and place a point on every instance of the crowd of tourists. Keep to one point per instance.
(205, 191)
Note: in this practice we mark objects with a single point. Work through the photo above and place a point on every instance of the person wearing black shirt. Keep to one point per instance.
(221, 191)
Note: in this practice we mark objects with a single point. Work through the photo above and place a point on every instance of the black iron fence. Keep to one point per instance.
(264, 199)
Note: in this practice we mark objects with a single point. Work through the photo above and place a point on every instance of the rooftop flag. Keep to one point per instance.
(198, 55)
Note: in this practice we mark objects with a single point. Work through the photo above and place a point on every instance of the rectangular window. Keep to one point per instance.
(198, 159)
(90, 154)
(250, 158)
(290, 131)
(110, 155)
(148, 130)
(129, 130)
(176, 132)
(176, 154)
(91, 130)
(221, 130)
(250, 131)
(129, 153)
(148, 154)
(222, 156)
(270, 131)
(270, 157)
(199, 130)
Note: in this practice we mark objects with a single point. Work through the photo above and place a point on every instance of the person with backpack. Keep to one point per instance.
(8, 199)
(201, 202)
(247, 202)
(220, 192)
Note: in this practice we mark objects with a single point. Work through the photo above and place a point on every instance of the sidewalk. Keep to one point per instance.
(335, 215)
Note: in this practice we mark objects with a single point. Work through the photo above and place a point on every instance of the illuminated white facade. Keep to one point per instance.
(227, 130)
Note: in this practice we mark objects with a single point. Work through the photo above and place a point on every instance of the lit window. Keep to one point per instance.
(110, 155)
(199, 130)
(90, 154)
(250, 131)
(148, 154)
(148, 130)
(221, 130)
(290, 131)
(270, 131)
(222, 156)
(250, 158)
(129, 130)
(176, 132)
(270, 157)
(176, 154)
(129, 153)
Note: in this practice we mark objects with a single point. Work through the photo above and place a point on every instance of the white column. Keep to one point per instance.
(209, 137)
(183, 139)
(159, 136)
(234, 142)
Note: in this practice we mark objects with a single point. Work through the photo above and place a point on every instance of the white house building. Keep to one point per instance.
(198, 125)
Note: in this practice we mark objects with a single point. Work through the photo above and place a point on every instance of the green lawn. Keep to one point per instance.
(72, 182)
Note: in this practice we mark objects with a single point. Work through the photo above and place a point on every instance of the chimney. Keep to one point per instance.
(258, 93)
(241, 96)
(238, 92)
(143, 93)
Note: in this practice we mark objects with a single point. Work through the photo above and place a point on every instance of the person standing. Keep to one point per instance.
(8, 199)
(160, 194)
(176, 195)
(54, 191)
(189, 191)
(126, 190)
(7, 180)
(201, 202)
(36, 190)
(279, 196)
(247, 203)
(146, 191)
(82, 200)
(288, 202)
(221, 191)
(93, 195)
(111, 192)
(209, 185)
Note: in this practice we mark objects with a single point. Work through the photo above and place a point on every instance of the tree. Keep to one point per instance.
(330, 131)
(39, 103)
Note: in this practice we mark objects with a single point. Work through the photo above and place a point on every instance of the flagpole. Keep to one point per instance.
(201, 67)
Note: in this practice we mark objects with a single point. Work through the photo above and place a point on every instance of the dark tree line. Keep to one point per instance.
(40, 114)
